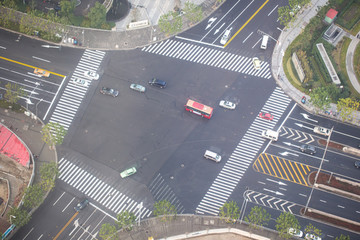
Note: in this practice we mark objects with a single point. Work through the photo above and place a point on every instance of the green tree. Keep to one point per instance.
(312, 230)
(284, 15)
(125, 220)
(19, 217)
(170, 23)
(230, 212)
(347, 107)
(285, 221)
(67, 8)
(320, 98)
(108, 232)
(165, 209)
(48, 173)
(13, 92)
(343, 237)
(97, 15)
(33, 196)
(258, 217)
(53, 133)
(9, 4)
(193, 12)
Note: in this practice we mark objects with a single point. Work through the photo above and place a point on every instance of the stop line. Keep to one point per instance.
(209, 56)
(243, 155)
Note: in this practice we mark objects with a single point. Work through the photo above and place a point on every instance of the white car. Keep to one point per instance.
(322, 130)
(225, 37)
(227, 104)
(257, 63)
(137, 87)
(310, 236)
(80, 82)
(295, 232)
(91, 75)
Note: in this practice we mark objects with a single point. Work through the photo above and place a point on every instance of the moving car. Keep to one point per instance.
(91, 75)
(308, 149)
(137, 87)
(80, 82)
(81, 205)
(109, 91)
(41, 72)
(157, 83)
(322, 130)
(295, 232)
(212, 156)
(266, 116)
(128, 172)
(227, 104)
(226, 36)
(310, 236)
(257, 63)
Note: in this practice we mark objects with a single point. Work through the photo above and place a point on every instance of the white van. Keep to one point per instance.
(270, 134)
(212, 156)
(264, 42)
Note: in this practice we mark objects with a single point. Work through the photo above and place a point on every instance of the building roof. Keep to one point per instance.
(332, 13)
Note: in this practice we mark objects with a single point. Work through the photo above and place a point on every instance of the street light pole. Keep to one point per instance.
(317, 173)
(12, 216)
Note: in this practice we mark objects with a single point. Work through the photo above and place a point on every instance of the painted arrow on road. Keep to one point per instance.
(288, 153)
(302, 126)
(49, 46)
(210, 22)
(278, 182)
(307, 117)
(217, 30)
(276, 192)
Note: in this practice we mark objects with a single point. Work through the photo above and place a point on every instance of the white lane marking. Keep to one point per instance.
(248, 37)
(256, 42)
(283, 189)
(103, 211)
(322, 201)
(41, 59)
(52, 102)
(40, 236)
(196, 41)
(28, 233)
(2, 47)
(303, 195)
(272, 10)
(58, 198)
(340, 206)
(68, 204)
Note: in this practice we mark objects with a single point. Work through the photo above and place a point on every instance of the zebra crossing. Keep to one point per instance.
(243, 155)
(208, 56)
(83, 178)
(73, 94)
(161, 191)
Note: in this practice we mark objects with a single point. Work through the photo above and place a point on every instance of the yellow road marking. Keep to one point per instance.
(277, 166)
(262, 156)
(300, 173)
(257, 11)
(271, 165)
(27, 65)
(283, 169)
(67, 224)
(291, 164)
(293, 179)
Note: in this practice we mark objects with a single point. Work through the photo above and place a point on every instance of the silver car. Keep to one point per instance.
(137, 87)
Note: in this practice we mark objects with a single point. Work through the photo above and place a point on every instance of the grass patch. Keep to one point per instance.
(292, 74)
(350, 16)
(355, 29)
(357, 61)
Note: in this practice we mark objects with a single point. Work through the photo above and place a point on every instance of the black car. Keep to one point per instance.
(357, 164)
(109, 91)
(307, 149)
(157, 83)
(81, 205)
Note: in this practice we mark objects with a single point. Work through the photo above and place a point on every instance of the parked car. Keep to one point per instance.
(157, 83)
(227, 104)
(128, 172)
(80, 82)
(91, 75)
(226, 36)
(81, 205)
(308, 149)
(137, 87)
(41, 72)
(266, 116)
(310, 236)
(256, 63)
(357, 164)
(295, 232)
(322, 130)
(109, 91)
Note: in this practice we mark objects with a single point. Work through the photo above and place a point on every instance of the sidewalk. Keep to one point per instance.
(29, 131)
(285, 39)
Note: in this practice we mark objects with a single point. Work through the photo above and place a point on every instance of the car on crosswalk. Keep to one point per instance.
(266, 116)
(91, 75)
(256, 63)
(80, 82)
